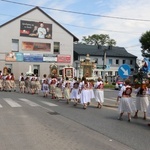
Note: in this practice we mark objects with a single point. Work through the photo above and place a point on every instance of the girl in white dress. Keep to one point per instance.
(84, 89)
(75, 93)
(99, 92)
(45, 88)
(126, 103)
(58, 90)
(67, 90)
(91, 92)
(142, 101)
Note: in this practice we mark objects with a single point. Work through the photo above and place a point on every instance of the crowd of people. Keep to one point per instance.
(126, 103)
(78, 90)
(82, 91)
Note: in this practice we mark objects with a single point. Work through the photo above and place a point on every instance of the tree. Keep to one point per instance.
(99, 39)
(145, 44)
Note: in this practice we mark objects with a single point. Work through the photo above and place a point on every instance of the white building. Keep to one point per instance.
(21, 47)
(111, 57)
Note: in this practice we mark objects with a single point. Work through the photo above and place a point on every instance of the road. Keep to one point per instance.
(31, 122)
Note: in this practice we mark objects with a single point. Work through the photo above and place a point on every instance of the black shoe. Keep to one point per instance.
(129, 120)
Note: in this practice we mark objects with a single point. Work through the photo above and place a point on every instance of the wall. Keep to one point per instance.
(12, 31)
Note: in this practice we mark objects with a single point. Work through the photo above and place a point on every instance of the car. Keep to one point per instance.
(119, 84)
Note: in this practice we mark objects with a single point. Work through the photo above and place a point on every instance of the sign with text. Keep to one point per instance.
(49, 58)
(63, 58)
(33, 57)
(35, 29)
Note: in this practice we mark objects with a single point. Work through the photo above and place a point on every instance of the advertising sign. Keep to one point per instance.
(12, 56)
(35, 46)
(35, 29)
(63, 58)
(49, 58)
(33, 57)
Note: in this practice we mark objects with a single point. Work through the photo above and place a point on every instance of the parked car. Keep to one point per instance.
(119, 84)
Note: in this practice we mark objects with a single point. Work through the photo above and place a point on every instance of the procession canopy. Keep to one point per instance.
(53, 70)
(87, 67)
(69, 72)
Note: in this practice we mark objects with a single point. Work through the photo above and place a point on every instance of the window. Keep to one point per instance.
(110, 73)
(56, 47)
(123, 61)
(131, 62)
(117, 61)
(110, 62)
(116, 73)
(15, 45)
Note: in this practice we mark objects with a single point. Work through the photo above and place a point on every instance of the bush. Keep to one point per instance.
(109, 86)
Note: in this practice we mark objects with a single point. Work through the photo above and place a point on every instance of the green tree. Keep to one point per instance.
(99, 39)
(145, 44)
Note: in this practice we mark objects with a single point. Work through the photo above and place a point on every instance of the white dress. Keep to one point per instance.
(141, 101)
(75, 92)
(45, 88)
(148, 108)
(58, 90)
(91, 92)
(67, 90)
(126, 103)
(99, 92)
(85, 93)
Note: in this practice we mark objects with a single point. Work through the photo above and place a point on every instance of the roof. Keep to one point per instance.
(74, 37)
(94, 50)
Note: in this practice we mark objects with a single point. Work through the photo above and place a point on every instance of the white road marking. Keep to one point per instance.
(28, 102)
(1, 106)
(11, 102)
(48, 103)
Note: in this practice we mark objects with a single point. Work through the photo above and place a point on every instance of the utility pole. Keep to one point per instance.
(104, 63)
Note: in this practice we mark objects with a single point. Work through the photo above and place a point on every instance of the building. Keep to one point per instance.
(107, 59)
(35, 39)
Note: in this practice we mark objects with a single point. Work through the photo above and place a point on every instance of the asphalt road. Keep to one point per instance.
(31, 122)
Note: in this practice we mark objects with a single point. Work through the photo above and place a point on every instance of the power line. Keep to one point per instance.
(84, 27)
(102, 29)
(74, 12)
(133, 46)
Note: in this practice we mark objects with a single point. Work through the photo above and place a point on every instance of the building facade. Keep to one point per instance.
(35, 39)
(107, 59)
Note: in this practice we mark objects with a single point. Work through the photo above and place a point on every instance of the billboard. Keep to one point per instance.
(35, 29)
(35, 46)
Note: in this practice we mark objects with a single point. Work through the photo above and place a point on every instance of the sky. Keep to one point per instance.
(123, 20)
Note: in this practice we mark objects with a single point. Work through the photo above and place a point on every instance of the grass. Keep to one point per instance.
(109, 86)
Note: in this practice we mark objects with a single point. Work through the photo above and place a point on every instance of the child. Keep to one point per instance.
(45, 88)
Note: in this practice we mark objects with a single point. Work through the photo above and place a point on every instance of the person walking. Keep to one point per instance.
(84, 90)
(99, 92)
(142, 101)
(126, 103)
